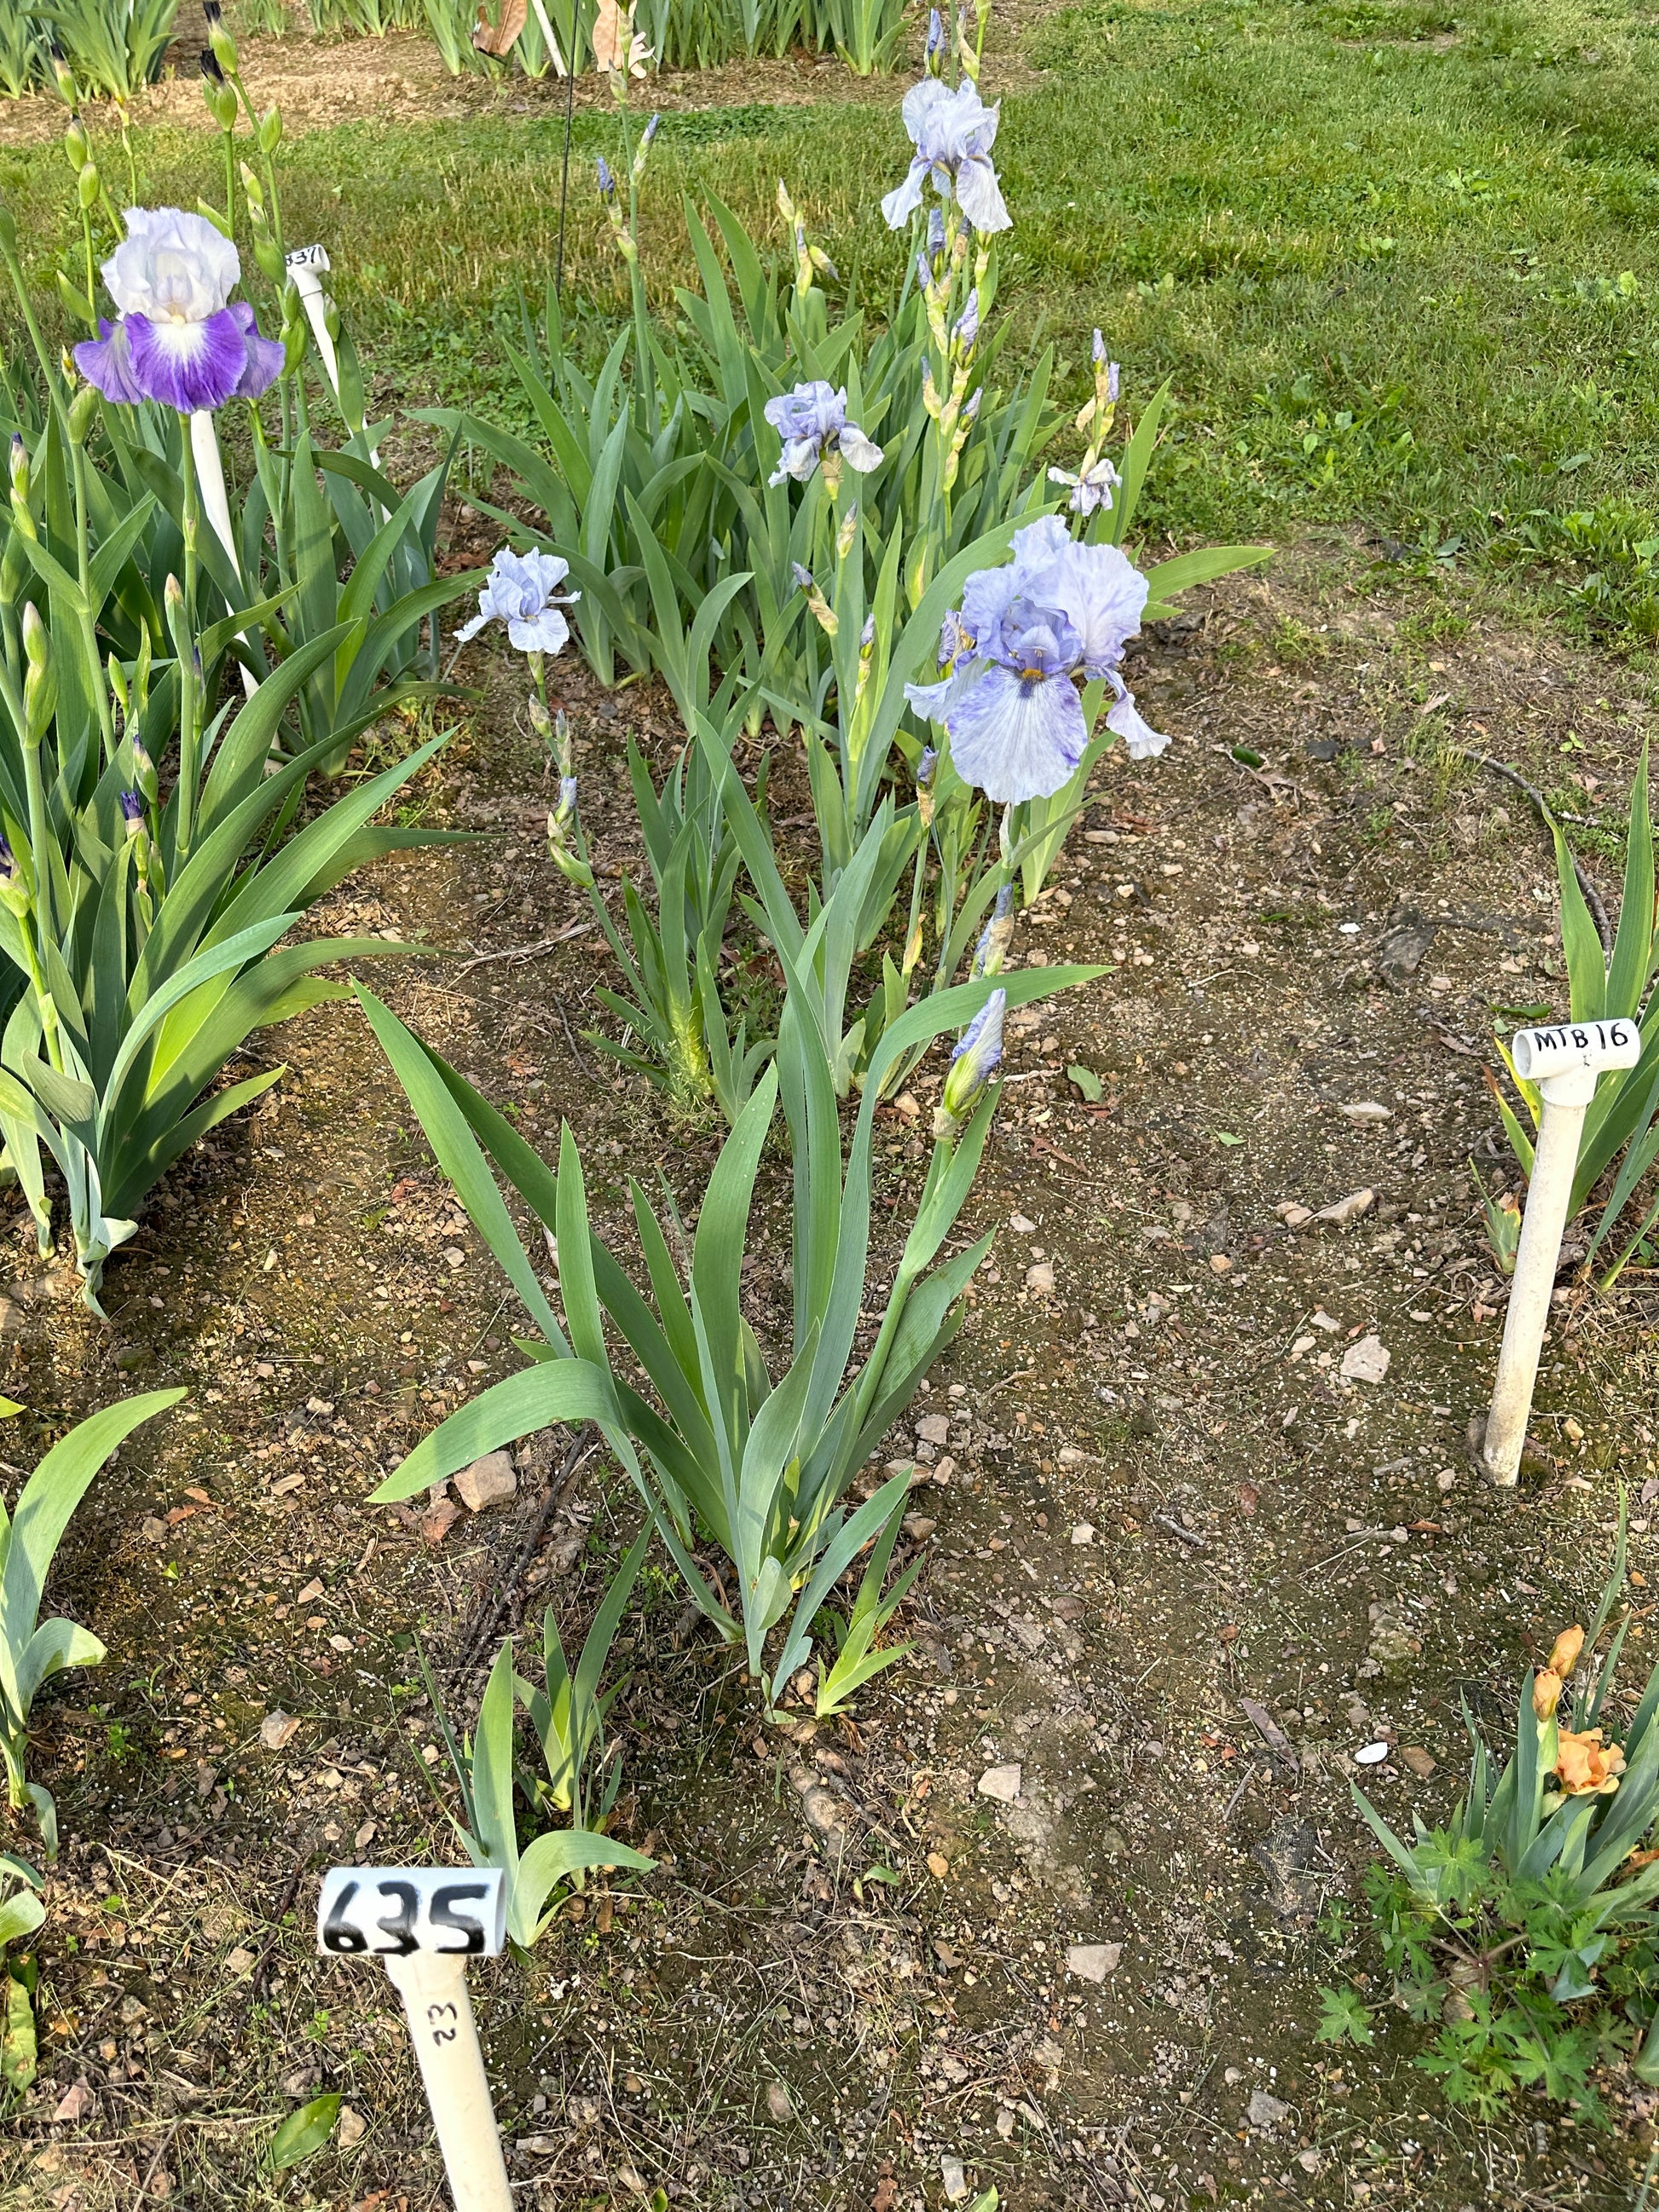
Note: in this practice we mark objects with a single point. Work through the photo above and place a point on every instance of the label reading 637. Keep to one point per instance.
(397, 1910)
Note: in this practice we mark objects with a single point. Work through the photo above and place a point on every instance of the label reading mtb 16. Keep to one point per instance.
(1538, 1053)
(397, 1910)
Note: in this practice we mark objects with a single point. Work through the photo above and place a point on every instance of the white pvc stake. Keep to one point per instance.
(426, 1922)
(1565, 1064)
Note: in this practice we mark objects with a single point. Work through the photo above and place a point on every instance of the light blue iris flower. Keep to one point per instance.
(1024, 635)
(523, 592)
(810, 419)
(953, 132)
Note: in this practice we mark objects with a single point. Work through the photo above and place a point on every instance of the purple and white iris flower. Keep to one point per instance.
(180, 339)
(811, 421)
(1024, 635)
(953, 132)
(523, 592)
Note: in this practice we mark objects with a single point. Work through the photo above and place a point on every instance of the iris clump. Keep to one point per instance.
(181, 339)
(1023, 635)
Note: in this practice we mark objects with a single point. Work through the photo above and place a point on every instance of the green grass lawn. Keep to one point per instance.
(1396, 259)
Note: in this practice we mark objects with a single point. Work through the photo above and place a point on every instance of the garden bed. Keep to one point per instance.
(1177, 1568)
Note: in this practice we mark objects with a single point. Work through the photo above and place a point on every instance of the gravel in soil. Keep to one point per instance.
(1192, 1486)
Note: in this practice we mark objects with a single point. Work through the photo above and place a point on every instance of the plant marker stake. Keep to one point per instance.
(302, 266)
(426, 1922)
(1564, 1063)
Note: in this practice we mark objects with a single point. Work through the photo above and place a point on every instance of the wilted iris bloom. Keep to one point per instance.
(976, 1059)
(1025, 633)
(1093, 486)
(523, 592)
(953, 131)
(181, 339)
(811, 421)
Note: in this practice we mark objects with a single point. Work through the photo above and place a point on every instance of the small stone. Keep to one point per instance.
(1001, 1783)
(918, 1528)
(1092, 1962)
(1021, 1227)
(1069, 1455)
(278, 1730)
(1083, 1533)
(491, 1480)
(310, 1591)
(779, 2103)
(1040, 1279)
(933, 1429)
(351, 2129)
(1220, 1264)
(1294, 1216)
(1367, 1111)
(954, 2175)
(364, 1836)
(1422, 1763)
(1350, 1208)
(1308, 2161)
(1367, 1361)
(1266, 2111)
(153, 1531)
(240, 1961)
(75, 2102)
(437, 1524)
(938, 1865)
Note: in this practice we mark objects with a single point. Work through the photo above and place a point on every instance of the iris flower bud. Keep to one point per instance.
(224, 46)
(62, 75)
(219, 97)
(86, 186)
(78, 147)
(40, 681)
(270, 132)
(132, 812)
(83, 413)
(607, 182)
(143, 769)
(996, 936)
(14, 892)
(19, 467)
(926, 768)
(975, 1061)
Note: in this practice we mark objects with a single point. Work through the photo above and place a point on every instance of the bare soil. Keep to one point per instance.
(1154, 1498)
(401, 78)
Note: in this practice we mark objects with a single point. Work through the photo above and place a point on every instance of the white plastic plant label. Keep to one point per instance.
(392, 1910)
(311, 258)
(1538, 1054)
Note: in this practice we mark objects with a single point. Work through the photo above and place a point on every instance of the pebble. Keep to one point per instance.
(1041, 1279)
(1366, 1361)
(278, 1730)
(1368, 1110)
(1266, 2111)
(1001, 1783)
(1092, 1962)
(491, 1480)
(1422, 1763)
(1083, 1533)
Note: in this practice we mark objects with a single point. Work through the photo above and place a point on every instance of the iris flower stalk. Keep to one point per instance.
(625, 235)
